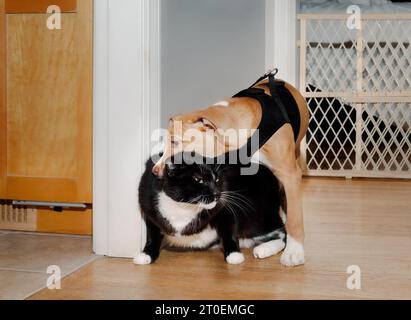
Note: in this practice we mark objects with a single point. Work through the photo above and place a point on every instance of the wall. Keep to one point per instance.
(209, 50)
(125, 114)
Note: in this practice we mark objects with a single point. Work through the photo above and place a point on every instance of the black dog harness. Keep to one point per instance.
(275, 114)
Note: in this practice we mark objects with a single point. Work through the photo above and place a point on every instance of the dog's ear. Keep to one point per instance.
(204, 124)
(208, 124)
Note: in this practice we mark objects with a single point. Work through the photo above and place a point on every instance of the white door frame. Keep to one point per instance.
(281, 38)
(127, 107)
(126, 111)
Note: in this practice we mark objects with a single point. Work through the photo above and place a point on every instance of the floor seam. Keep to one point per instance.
(95, 257)
(21, 270)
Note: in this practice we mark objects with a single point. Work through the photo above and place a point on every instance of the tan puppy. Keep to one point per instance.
(280, 153)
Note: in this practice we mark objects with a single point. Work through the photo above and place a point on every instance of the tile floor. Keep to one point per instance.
(25, 257)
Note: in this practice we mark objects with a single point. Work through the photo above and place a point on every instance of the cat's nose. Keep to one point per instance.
(216, 195)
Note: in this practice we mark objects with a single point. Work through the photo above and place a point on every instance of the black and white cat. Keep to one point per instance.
(200, 206)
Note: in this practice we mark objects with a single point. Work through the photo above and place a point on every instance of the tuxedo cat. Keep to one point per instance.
(198, 206)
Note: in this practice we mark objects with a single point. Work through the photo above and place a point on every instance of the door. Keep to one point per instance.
(46, 102)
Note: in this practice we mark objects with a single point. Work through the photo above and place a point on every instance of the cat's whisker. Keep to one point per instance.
(229, 207)
(245, 201)
(240, 198)
(231, 204)
(235, 200)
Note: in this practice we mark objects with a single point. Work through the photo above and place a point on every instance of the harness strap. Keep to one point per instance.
(274, 114)
(276, 98)
(271, 72)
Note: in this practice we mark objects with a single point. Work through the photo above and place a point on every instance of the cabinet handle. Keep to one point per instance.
(52, 205)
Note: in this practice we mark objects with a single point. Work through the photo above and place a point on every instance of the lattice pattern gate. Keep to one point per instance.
(357, 83)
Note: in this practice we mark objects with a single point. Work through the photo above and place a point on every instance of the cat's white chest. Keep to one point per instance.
(178, 214)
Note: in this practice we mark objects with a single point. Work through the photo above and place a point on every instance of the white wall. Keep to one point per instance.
(210, 49)
(126, 60)
(281, 38)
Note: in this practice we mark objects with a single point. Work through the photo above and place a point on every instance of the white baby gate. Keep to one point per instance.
(358, 86)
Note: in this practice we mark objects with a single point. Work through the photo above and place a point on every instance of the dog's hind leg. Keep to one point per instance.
(294, 252)
(280, 153)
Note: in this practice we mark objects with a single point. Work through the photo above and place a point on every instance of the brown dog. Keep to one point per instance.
(280, 152)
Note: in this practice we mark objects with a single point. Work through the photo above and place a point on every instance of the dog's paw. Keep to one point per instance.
(268, 249)
(235, 258)
(293, 254)
(142, 259)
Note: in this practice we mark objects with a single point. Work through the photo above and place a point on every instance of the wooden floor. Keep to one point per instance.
(359, 222)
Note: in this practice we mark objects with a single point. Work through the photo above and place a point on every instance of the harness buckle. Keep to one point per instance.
(273, 72)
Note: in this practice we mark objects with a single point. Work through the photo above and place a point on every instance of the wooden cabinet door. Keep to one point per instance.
(46, 102)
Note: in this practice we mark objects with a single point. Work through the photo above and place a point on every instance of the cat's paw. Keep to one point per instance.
(293, 254)
(268, 249)
(142, 259)
(235, 258)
